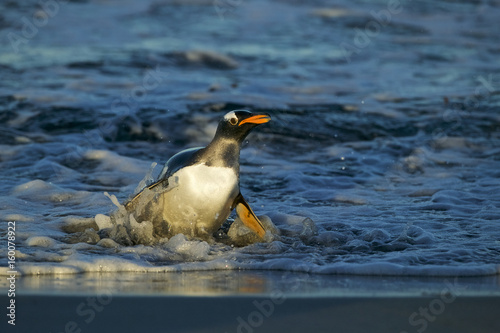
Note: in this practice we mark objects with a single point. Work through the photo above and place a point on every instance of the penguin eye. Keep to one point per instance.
(233, 121)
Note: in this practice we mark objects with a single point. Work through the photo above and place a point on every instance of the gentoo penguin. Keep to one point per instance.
(199, 187)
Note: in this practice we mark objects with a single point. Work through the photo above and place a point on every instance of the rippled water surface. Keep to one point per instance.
(383, 156)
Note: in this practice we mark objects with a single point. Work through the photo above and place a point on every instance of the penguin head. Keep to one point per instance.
(238, 123)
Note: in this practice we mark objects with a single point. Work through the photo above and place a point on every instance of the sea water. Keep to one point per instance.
(382, 157)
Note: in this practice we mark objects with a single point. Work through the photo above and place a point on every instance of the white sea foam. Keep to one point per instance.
(371, 166)
(40, 241)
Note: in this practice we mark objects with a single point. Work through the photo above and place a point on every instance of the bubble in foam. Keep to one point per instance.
(241, 235)
(103, 221)
(295, 226)
(108, 242)
(189, 249)
(40, 241)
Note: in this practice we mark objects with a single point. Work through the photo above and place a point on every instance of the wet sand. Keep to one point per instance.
(254, 302)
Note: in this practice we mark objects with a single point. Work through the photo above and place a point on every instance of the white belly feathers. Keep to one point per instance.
(200, 199)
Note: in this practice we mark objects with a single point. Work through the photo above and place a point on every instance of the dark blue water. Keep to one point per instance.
(382, 157)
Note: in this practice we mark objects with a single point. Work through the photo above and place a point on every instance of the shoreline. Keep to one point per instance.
(250, 282)
(253, 301)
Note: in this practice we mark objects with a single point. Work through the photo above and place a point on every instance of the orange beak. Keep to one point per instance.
(257, 119)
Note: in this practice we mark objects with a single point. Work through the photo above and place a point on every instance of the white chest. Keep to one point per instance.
(200, 199)
(205, 183)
